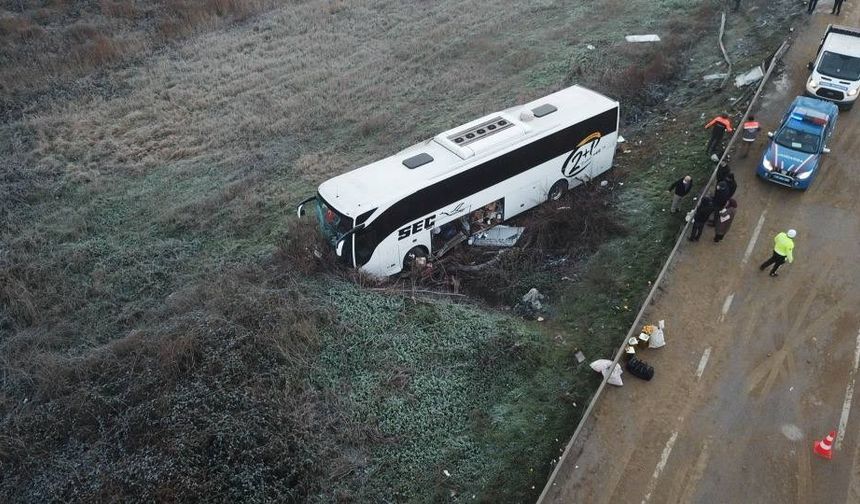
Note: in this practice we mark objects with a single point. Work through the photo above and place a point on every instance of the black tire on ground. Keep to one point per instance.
(413, 254)
(557, 190)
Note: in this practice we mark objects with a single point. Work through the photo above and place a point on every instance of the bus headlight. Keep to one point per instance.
(852, 92)
(804, 175)
(812, 83)
(767, 164)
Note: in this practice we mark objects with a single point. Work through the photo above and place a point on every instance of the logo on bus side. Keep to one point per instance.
(416, 227)
(581, 157)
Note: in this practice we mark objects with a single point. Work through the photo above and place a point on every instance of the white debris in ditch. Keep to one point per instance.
(754, 75)
(642, 38)
(498, 236)
(715, 76)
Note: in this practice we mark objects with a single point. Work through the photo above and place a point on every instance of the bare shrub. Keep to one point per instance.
(304, 249)
(556, 235)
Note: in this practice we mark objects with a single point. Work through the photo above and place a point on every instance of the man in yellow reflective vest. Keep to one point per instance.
(783, 248)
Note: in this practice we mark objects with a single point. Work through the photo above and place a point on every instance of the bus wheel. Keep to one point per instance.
(557, 190)
(414, 254)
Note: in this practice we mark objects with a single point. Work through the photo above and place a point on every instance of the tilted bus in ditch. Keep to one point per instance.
(382, 216)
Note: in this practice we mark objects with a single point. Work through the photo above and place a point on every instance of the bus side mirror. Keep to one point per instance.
(300, 208)
(770, 134)
(826, 150)
(810, 65)
(339, 248)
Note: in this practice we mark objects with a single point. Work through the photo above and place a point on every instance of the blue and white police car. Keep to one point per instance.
(793, 156)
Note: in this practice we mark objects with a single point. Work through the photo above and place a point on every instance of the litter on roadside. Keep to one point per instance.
(498, 236)
(642, 38)
(656, 338)
(745, 79)
(603, 366)
(715, 76)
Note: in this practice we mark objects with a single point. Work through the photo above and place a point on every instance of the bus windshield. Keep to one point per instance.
(798, 140)
(839, 66)
(332, 223)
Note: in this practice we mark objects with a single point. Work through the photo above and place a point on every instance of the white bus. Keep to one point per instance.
(423, 200)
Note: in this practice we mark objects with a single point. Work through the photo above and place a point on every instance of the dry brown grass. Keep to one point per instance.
(43, 45)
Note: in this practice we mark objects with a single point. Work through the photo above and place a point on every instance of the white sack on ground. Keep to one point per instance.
(658, 339)
(603, 365)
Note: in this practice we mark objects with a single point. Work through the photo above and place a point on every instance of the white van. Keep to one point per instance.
(836, 69)
(383, 216)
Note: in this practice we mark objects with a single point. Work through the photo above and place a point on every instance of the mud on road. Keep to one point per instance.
(756, 368)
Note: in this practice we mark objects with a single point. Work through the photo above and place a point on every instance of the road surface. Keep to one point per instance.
(756, 368)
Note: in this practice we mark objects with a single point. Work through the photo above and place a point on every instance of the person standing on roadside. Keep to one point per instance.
(811, 6)
(724, 220)
(720, 199)
(837, 7)
(700, 217)
(731, 183)
(723, 170)
(783, 250)
(751, 128)
(719, 125)
(679, 189)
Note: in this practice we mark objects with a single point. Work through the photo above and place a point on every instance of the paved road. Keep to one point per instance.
(755, 367)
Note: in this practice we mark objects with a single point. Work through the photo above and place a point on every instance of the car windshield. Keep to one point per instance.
(839, 66)
(798, 140)
(332, 223)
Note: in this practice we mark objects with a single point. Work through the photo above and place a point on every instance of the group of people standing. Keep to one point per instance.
(719, 209)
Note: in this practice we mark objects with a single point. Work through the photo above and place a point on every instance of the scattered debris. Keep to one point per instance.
(642, 38)
(621, 139)
(715, 76)
(446, 473)
(603, 366)
(657, 338)
(532, 298)
(753, 75)
(604, 183)
(530, 307)
(589, 47)
(497, 236)
(580, 357)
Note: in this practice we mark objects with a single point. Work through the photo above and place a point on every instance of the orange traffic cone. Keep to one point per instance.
(824, 448)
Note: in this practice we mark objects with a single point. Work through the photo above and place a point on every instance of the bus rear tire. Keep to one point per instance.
(557, 190)
(413, 254)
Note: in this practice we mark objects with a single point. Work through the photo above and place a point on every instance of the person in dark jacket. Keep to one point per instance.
(720, 198)
(679, 189)
(724, 220)
(703, 213)
(730, 181)
(723, 170)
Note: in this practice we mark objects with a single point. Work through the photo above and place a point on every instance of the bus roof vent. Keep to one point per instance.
(417, 160)
(480, 131)
(543, 110)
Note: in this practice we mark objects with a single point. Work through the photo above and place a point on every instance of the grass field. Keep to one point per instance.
(164, 331)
